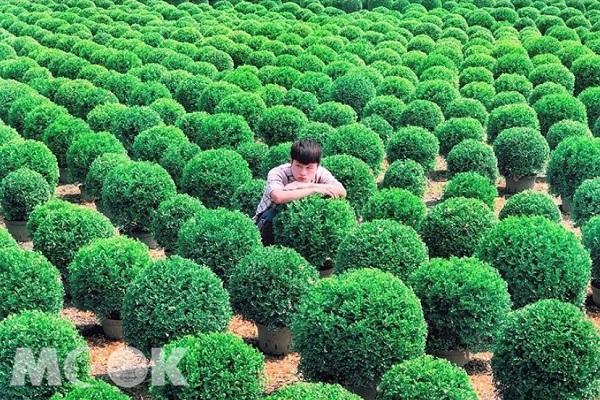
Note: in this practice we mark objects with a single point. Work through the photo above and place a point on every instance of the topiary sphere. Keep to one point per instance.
(395, 204)
(511, 116)
(247, 196)
(171, 214)
(168, 109)
(506, 98)
(590, 238)
(317, 131)
(190, 299)
(223, 131)
(6, 240)
(406, 174)
(545, 89)
(218, 238)
(455, 130)
(513, 63)
(214, 93)
(521, 152)
(280, 124)
(315, 82)
(471, 185)
(98, 170)
(513, 83)
(272, 94)
(437, 379)
(413, 143)
(150, 144)
(422, 113)
(253, 153)
(400, 87)
(8, 134)
(379, 125)
(239, 366)
(304, 101)
(356, 140)
(128, 123)
(40, 117)
(556, 73)
(438, 91)
(564, 129)
(35, 331)
(354, 90)
(547, 330)
(314, 227)
(86, 149)
(355, 175)
(334, 114)
(572, 162)
(20, 192)
(557, 107)
(96, 389)
(275, 156)
(481, 91)
(248, 105)
(473, 156)
(467, 108)
(388, 107)
(384, 244)
(29, 282)
(591, 98)
(41, 211)
(325, 329)
(101, 271)
(530, 203)
(213, 175)
(30, 154)
(586, 201)
(562, 264)
(313, 391)
(587, 72)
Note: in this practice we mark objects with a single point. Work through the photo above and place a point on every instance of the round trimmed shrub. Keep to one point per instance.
(6, 240)
(334, 114)
(413, 143)
(355, 175)
(150, 144)
(325, 329)
(314, 227)
(506, 98)
(356, 140)
(315, 82)
(213, 175)
(396, 86)
(379, 125)
(254, 153)
(96, 389)
(223, 131)
(456, 226)
(248, 105)
(438, 91)
(521, 152)
(30, 154)
(467, 108)
(29, 282)
(547, 330)
(101, 271)
(422, 113)
(176, 157)
(591, 98)
(473, 156)
(471, 185)
(481, 91)
(272, 94)
(189, 299)
(239, 367)
(556, 73)
(572, 162)
(383, 244)
(388, 107)
(437, 379)
(511, 116)
(280, 124)
(214, 93)
(128, 123)
(219, 239)
(247, 196)
(100, 117)
(168, 109)
(546, 89)
(276, 156)
(171, 214)
(530, 203)
(132, 192)
(35, 331)
(395, 204)
(189, 91)
(586, 201)
(513, 63)
(453, 131)
(98, 170)
(86, 149)
(354, 90)
(587, 72)
(61, 134)
(590, 238)
(562, 265)
(267, 285)
(317, 131)
(41, 211)
(564, 129)
(465, 302)
(20, 192)
(8, 134)
(406, 174)
(557, 107)
(313, 391)
(304, 101)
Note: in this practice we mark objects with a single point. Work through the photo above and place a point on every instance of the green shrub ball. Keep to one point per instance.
(355, 175)
(456, 226)
(96, 389)
(151, 144)
(422, 113)
(280, 124)
(171, 214)
(6, 240)
(354, 90)
(395, 204)
(86, 149)
(455, 130)
(313, 391)
(557, 107)
(20, 192)
(99, 168)
(388, 107)
(223, 131)
(530, 203)
(356, 140)
(465, 301)
(590, 237)
(325, 329)
(405, 174)
(471, 185)
(535, 352)
(437, 379)
(247, 196)
(521, 152)
(413, 143)
(473, 156)
(510, 116)
(383, 244)
(564, 129)
(188, 299)
(31, 154)
(334, 114)
(562, 265)
(176, 156)
(586, 201)
(267, 285)
(127, 124)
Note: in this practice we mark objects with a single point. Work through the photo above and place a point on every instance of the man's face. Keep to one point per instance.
(304, 172)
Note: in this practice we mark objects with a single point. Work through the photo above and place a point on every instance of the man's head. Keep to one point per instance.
(305, 159)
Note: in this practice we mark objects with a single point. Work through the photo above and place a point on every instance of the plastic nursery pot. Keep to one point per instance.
(113, 328)
(517, 186)
(367, 393)
(326, 269)
(18, 230)
(85, 196)
(274, 342)
(458, 357)
(144, 237)
(596, 291)
(566, 205)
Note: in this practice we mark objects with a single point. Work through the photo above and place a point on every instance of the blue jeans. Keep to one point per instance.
(264, 221)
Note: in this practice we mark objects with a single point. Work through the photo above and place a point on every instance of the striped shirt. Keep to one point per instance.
(280, 176)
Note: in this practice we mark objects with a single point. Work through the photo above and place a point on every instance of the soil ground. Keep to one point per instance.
(280, 371)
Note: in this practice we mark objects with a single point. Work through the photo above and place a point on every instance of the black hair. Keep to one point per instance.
(306, 151)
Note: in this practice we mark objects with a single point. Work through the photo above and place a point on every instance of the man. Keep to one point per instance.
(301, 177)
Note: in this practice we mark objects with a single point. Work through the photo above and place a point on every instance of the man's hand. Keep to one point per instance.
(327, 190)
(297, 185)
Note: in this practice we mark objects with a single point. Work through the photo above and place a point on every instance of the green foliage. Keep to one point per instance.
(176, 157)
(413, 143)
(171, 214)
(545, 89)
(521, 152)
(456, 226)
(388, 107)
(406, 174)
(131, 121)
(280, 124)
(35, 331)
(395, 204)
(213, 175)
(557, 107)
(438, 91)
(533, 357)
(422, 113)
(312, 391)
(132, 192)
(253, 153)
(6, 240)
(168, 109)
(99, 169)
(471, 185)
(304, 101)
(455, 130)
(384, 244)
(217, 365)
(173, 298)
(272, 94)
(481, 91)
(189, 91)
(356, 140)
(467, 108)
(564, 129)
(89, 146)
(562, 265)
(317, 131)
(276, 156)
(590, 237)
(249, 105)
(530, 203)
(465, 302)
(586, 201)
(40, 212)
(473, 156)
(100, 117)
(247, 196)
(315, 82)
(223, 131)
(61, 134)
(354, 90)
(20, 192)
(401, 88)
(556, 73)
(356, 177)
(379, 125)
(334, 113)
(511, 116)
(437, 380)
(151, 144)
(325, 329)
(314, 227)
(8, 134)
(587, 72)
(97, 390)
(79, 96)
(101, 271)
(513, 83)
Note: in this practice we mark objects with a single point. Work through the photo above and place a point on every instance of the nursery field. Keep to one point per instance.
(461, 261)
